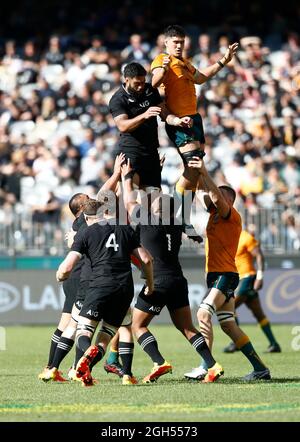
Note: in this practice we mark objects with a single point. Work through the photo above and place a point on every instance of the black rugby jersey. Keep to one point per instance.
(109, 248)
(163, 243)
(143, 139)
(78, 223)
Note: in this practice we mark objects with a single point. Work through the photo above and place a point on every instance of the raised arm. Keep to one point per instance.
(112, 182)
(214, 192)
(129, 195)
(203, 193)
(205, 74)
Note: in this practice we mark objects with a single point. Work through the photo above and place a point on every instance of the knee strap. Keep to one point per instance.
(224, 316)
(110, 330)
(84, 330)
(210, 308)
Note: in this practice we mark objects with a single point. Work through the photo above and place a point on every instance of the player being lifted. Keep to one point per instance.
(178, 78)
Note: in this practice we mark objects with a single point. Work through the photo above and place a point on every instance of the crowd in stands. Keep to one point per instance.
(57, 136)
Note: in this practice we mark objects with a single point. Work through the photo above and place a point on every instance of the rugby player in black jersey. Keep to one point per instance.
(78, 283)
(70, 287)
(162, 238)
(108, 246)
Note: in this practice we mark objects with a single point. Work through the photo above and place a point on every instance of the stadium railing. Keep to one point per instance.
(19, 235)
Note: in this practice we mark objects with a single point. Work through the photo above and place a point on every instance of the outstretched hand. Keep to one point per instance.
(126, 167)
(231, 51)
(148, 290)
(186, 122)
(196, 163)
(118, 162)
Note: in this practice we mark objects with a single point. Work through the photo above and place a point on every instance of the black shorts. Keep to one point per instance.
(108, 302)
(81, 293)
(168, 291)
(147, 167)
(70, 287)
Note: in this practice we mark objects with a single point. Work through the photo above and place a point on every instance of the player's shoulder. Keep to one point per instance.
(119, 94)
(125, 228)
(234, 215)
(249, 239)
(149, 89)
(157, 62)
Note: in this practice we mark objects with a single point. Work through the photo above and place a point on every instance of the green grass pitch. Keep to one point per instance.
(24, 398)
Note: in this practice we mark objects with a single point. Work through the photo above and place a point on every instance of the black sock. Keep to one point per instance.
(199, 344)
(54, 341)
(126, 354)
(98, 357)
(149, 344)
(84, 342)
(78, 354)
(62, 349)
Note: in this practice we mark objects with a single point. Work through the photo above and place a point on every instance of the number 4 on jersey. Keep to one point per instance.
(111, 242)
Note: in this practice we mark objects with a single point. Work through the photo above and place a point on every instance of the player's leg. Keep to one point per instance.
(47, 375)
(90, 314)
(113, 302)
(190, 142)
(80, 298)
(254, 305)
(148, 343)
(211, 302)
(105, 335)
(182, 319)
(112, 364)
(70, 287)
(226, 319)
(126, 349)
(180, 312)
(186, 187)
(239, 300)
(67, 339)
(220, 288)
(64, 321)
(146, 307)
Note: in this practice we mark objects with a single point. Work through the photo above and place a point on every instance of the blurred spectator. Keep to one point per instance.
(48, 212)
(54, 54)
(137, 50)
